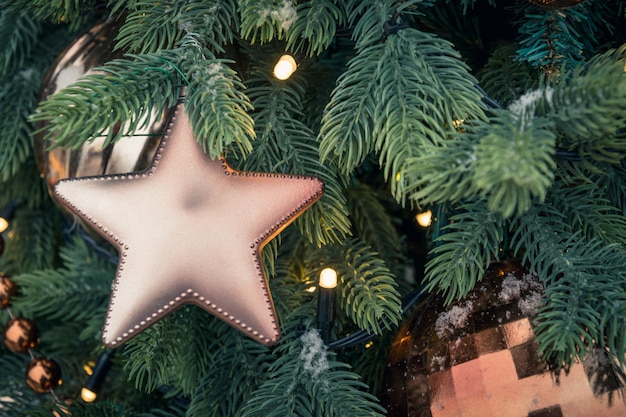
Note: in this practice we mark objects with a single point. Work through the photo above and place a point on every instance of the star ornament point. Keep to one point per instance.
(189, 230)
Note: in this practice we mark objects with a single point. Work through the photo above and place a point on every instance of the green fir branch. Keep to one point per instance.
(285, 144)
(305, 380)
(463, 251)
(589, 211)
(151, 26)
(215, 90)
(398, 99)
(514, 161)
(56, 11)
(35, 239)
(265, 20)
(238, 366)
(314, 29)
(506, 79)
(550, 39)
(615, 186)
(84, 277)
(367, 19)
(19, 32)
(123, 92)
(18, 98)
(588, 107)
(369, 294)
(372, 223)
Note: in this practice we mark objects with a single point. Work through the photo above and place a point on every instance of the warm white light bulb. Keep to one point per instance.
(285, 66)
(4, 224)
(425, 218)
(87, 395)
(328, 278)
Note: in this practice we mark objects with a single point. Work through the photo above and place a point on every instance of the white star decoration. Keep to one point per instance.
(189, 230)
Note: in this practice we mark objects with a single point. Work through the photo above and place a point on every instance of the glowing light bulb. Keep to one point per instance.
(425, 218)
(87, 395)
(285, 66)
(328, 278)
(4, 224)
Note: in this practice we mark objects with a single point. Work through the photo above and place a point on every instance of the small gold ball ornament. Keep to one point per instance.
(21, 334)
(7, 290)
(43, 375)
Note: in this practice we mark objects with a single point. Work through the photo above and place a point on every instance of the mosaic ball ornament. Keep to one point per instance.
(478, 358)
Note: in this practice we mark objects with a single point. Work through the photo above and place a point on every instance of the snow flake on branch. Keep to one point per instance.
(285, 14)
(313, 354)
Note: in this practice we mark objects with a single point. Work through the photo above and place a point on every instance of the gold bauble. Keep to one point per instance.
(20, 334)
(7, 290)
(478, 358)
(43, 375)
(90, 50)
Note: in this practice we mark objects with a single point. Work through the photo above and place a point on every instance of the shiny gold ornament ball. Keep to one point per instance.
(43, 375)
(478, 358)
(7, 290)
(93, 48)
(21, 334)
(555, 4)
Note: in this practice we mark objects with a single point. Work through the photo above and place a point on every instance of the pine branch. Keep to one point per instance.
(19, 32)
(284, 144)
(214, 91)
(589, 212)
(514, 161)
(587, 107)
(84, 277)
(238, 366)
(122, 93)
(35, 239)
(18, 98)
(550, 39)
(56, 11)
(369, 294)
(152, 26)
(315, 26)
(373, 224)
(615, 185)
(367, 18)
(265, 20)
(399, 99)
(461, 253)
(305, 380)
(505, 79)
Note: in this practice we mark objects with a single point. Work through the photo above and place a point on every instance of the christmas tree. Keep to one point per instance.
(505, 119)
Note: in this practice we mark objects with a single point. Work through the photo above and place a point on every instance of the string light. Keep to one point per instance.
(90, 391)
(4, 224)
(328, 278)
(425, 218)
(285, 67)
(326, 302)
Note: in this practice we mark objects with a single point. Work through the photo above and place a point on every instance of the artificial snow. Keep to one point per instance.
(313, 354)
(286, 14)
(454, 318)
(513, 287)
(526, 103)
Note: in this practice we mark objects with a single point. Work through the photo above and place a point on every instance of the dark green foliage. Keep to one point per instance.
(506, 79)
(307, 381)
(387, 112)
(465, 248)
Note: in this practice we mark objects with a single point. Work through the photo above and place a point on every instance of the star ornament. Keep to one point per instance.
(189, 230)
